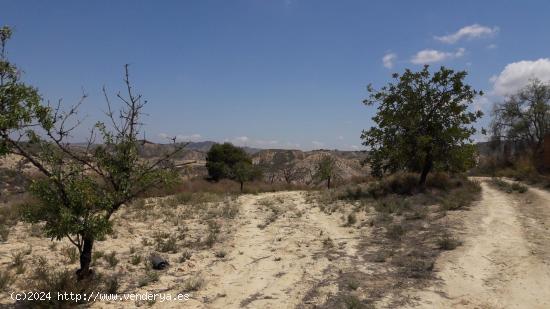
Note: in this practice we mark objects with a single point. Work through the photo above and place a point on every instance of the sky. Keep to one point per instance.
(269, 73)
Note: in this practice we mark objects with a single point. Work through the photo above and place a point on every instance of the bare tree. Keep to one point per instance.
(523, 118)
(81, 187)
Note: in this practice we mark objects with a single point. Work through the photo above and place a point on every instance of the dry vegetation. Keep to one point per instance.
(398, 230)
(185, 229)
(409, 228)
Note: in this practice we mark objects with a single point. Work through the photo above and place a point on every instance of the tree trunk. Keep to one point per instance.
(328, 183)
(85, 258)
(242, 184)
(426, 169)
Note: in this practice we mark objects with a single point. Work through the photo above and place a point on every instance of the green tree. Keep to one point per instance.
(523, 118)
(81, 187)
(325, 169)
(20, 104)
(231, 162)
(245, 171)
(423, 122)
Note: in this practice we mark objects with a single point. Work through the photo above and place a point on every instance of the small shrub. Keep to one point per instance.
(381, 219)
(417, 214)
(4, 233)
(18, 260)
(351, 219)
(71, 254)
(519, 187)
(508, 187)
(395, 231)
(111, 259)
(135, 259)
(149, 277)
(380, 257)
(185, 255)
(353, 285)
(447, 242)
(36, 230)
(416, 267)
(52, 281)
(97, 255)
(392, 204)
(192, 284)
(398, 183)
(461, 197)
(184, 197)
(213, 231)
(440, 181)
(112, 284)
(352, 302)
(230, 210)
(6, 279)
(167, 245)
(328, 243)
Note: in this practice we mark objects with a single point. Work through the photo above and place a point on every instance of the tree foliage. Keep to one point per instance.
(83, 186)
(325, 169)
(20, 104)
(523, 118)
(423, 122)
(231, 162)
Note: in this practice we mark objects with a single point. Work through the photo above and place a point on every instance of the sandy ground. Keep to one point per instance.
(265, 266)
(275, 266)
(504, 260)
(274, 261)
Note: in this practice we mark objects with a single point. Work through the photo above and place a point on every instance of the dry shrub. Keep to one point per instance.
(392, 204)
(6, 279)
(224, 187)
(10, 214)
(62, 281)
(508, 187)
(448, 242)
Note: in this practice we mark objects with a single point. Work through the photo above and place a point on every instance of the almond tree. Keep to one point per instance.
(81, 186)
(523, 118)
(423, 123)
(325, 169)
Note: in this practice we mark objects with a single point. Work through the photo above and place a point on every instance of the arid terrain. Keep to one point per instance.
(291, 249)
(274, 154)
(504, 260)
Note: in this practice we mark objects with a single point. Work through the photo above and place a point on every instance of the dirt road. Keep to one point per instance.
(504, 261)
(274, 265)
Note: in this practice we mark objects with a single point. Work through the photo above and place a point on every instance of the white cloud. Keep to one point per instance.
(264, 143)
(388, 60)
(427, 56)
(492, 46)
(317, 144)
(164, 135)
(516, 75)
(241, 140)
(481, 103)
(188, 138)
(468, 32)
(292, 145)
(340, 137)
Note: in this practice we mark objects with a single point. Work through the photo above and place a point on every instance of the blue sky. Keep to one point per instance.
(269, 73)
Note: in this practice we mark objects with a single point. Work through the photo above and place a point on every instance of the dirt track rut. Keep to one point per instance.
(503, 262)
